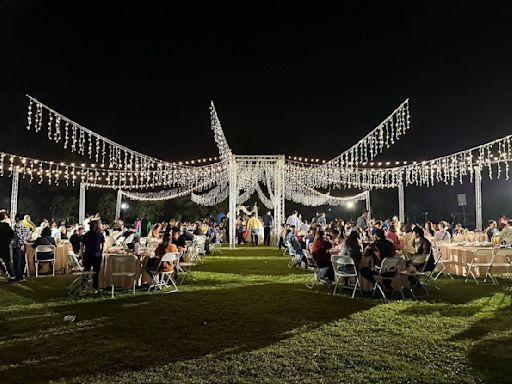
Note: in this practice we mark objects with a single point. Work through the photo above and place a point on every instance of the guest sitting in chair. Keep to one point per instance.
(165, 247)
(322, 257)
(373, 256)
(45, 239)
(424, 247)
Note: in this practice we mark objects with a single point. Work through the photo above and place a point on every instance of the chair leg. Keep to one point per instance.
(134, 282)
(112, 291)
(37, 269)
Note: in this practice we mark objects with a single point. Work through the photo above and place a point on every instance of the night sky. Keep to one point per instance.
(294, 81)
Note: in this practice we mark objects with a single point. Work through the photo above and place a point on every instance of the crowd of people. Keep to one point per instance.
(369, 241)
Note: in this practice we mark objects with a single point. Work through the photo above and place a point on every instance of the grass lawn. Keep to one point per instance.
(248, 318)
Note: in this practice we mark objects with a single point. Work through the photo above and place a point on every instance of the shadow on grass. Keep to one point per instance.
(132, 333)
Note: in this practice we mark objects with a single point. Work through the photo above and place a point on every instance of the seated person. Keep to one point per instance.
(424, 247)
(506, 233)
(295, 245)
(442, 233)
(45, 239)
(165, 247)
(393, 237)
(76, 240)
(322, 257)
(373, 256)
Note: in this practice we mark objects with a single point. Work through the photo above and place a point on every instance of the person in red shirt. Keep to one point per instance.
(322, 257)
(392, 235)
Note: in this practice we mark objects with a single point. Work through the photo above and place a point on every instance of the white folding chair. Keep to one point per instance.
(313, 280)
(419, 262)
(128, 266)
(161, 280)
(200, 244)
(344, 268)
(476, 262)
(287, 246)
(389, 264)
(82, 284)
(185, 267)
(44, 249)
(441, 262)
(502, 258)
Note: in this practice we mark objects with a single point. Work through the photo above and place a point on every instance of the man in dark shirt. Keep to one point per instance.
(268, 221)
(6, 236)
(144, 226)
(76, 240)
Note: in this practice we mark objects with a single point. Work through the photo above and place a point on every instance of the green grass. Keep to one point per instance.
(248, 318)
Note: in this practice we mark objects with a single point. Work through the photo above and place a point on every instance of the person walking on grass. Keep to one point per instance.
(253, 228)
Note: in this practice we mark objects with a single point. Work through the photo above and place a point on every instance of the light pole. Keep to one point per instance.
(124, 207)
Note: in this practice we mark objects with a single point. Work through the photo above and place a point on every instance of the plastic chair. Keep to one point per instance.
(160, 279)
(44, 249)
(344, 268)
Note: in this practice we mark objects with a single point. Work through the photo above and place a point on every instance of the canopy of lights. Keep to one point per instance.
(209, 181)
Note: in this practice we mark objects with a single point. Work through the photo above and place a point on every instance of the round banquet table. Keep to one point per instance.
(108, 266)
(462, 255)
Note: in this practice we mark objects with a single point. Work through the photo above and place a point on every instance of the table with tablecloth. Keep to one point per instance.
(109, 266)
(462, 255)
(61, 259)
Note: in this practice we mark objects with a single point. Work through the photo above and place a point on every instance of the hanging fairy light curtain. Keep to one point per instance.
(312, 198)
(383, 136)
(495, 156)
(220, 139)
(213, 197)
(268, 203)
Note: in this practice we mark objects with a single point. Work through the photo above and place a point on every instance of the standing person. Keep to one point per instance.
(6, 236)
(321, 221)
(144, 226)
(93, 250)
(21, 235)
(268, 221)
(362, 221)
(253, 227)
(293, 219)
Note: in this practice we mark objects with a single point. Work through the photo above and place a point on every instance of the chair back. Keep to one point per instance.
(45, 249)
(170, 256)
(73, 261)
(503, 256)
(393, 262)
(340, 262)
(127, 264)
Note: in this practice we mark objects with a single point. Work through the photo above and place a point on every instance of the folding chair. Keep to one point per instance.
(441, 263)
(313, 280)
(344, 268)
(82, 284)
(160, 279)
(216, 247)
(419, 262)
(45, 249)
(124, 263)
(502, 258)
(200, 244)
(396, 263)
(287, 246)
(185, 266)
(476, 263)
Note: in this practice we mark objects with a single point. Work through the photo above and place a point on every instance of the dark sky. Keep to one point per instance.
(298, 81)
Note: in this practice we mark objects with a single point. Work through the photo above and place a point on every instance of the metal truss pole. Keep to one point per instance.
(233, 194)
(81, 205)
(14, 195)
(118, 204)
(401, 203)
(478, 198)
(368, 204)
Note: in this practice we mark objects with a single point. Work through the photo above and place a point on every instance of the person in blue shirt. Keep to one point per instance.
(93, 250)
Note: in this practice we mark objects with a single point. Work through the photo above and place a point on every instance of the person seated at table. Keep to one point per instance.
(93, 242)
(392, 236)
(76, 239)
(377, 224)
(429, 230)
(63, 233)
(491, 230)
(46, 238)
(295, 246)
(373, 256)
(423, 247)
(506, 233)
(322, 257)
(352, 248)
(335, 238)
(442, 234)
(457, 230)
(155, 232)
(179, 240)
(408, 240)
(54, 230)
(166, 246)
